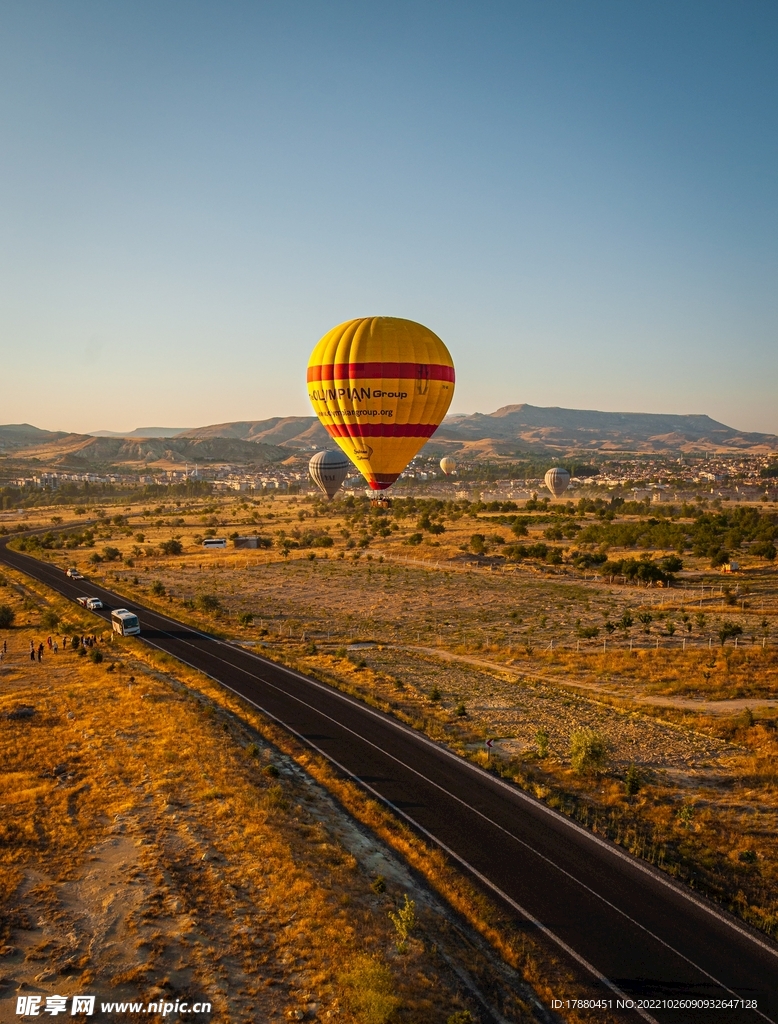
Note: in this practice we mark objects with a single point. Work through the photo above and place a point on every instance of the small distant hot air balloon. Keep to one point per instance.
(328, 470)
(380, 387)
(557, 481)
(448, 465)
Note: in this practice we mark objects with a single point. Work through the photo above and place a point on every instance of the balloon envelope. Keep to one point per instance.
(328, 470)
(448, 465)
(380, 387)
(557, 481)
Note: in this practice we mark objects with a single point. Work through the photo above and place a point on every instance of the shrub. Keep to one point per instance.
(588, 632)
(416, 538)
(632, 780)
(588, 752)
(49, 619)
(404, 920)
(435, 694)
(158, 589)
(111, 554)
(369, 990)
(96, 655)
(541, 738)
(245, 618)
(208, 603)
(7, 616)
(171, 547)
(378, 885)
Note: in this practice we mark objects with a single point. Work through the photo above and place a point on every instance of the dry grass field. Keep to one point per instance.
(154, 844)
(648, 713)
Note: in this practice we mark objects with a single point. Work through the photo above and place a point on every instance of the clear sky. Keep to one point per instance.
(579, 198)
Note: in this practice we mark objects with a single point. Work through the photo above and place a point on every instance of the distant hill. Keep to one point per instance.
(141, 432)
(511, 431)
(517, 429)
(531, 428)
(20, 435)
(82, 452)
(289, 431)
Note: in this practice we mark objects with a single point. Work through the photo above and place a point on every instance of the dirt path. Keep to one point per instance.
(714, 707)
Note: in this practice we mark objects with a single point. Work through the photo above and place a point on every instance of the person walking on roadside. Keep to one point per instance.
(32, 651)
(40, 652)
(56, 649)
(48, 642)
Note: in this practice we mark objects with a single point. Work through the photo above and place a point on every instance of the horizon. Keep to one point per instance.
(581, 202)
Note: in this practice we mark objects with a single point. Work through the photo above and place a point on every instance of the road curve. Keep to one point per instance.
(642, 936)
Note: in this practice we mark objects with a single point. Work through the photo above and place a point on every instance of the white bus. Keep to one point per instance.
(215, 542)
(124, 623)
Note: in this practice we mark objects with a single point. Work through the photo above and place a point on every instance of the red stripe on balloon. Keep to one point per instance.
(359, 430)
(402, 371)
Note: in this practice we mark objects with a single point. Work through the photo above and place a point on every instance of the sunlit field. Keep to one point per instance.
(627, 677)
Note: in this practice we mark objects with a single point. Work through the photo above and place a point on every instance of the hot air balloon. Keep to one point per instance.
(448, 465)
(380, 387)
(557, 481)
(328, 470)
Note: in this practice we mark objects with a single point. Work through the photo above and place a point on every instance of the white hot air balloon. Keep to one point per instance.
(557, 481)
(448, 465)
(328, 470)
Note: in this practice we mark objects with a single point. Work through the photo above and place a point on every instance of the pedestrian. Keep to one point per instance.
(5, 647)
(32, 652)
(48, 642)
(40, 652)
(56, 648)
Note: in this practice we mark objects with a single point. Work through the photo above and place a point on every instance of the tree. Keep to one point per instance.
(764, 549)
(7, 616)
(729, 630)
(478, 543)
(171, 547)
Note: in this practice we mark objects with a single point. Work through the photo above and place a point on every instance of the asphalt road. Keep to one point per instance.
(643, 937)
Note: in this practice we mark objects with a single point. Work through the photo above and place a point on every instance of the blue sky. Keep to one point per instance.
(579, 198)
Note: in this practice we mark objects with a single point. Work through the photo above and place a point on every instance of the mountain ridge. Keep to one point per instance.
(508, 432)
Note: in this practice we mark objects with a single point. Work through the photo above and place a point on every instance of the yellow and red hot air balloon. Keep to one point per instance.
(381, 387)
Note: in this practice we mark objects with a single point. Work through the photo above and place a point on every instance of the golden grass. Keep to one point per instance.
(134, 806)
